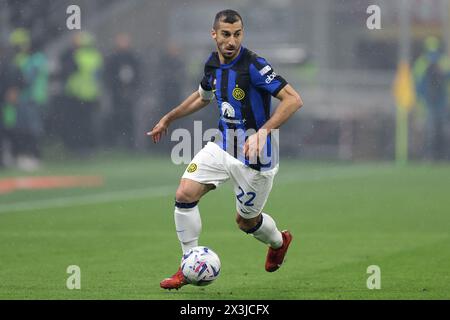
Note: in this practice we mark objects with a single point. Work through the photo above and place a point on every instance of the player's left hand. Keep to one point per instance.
(254, 145)
(158, 130)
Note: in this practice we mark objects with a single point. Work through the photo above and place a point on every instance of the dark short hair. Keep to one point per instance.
(227, 16)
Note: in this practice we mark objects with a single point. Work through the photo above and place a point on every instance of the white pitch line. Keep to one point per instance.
(143, 193)
(89, 199)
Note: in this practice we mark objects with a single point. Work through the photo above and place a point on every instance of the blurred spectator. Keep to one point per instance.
(432, 76)
(3, 85)
(33, 15)
(10, 83)
(172, 75)
(81, 65)
(31, 103)
(123, 78)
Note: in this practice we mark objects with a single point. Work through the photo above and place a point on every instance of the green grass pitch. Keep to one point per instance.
(344, 218)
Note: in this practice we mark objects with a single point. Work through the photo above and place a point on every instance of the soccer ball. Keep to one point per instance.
(200, 266)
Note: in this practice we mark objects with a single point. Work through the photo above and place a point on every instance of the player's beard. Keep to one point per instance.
(228, 54)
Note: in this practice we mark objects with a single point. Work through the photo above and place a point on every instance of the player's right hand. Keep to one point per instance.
(157, 132)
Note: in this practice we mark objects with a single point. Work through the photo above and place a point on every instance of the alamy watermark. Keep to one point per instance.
(231, 140)
(373, 22)
(74, 280)
(73, 21)
(374, 280)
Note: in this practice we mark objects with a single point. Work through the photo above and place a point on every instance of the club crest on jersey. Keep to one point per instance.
(227, 110)
(192, 168)
(238, 94)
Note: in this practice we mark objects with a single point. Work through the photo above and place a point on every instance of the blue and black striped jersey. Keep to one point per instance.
(243, 89)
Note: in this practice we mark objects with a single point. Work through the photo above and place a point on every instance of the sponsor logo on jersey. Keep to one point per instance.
(270, 77)
(192, 168)
(238, 94)
(264, 70)
(233, 121)
(227, 110)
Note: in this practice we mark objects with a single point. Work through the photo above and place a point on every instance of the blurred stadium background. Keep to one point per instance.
(344, 71)
(343, 145)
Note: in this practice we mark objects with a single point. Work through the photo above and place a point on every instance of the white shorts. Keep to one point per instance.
(212, 165)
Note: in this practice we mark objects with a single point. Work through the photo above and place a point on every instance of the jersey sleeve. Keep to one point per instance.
(264, 77)
(205, 84)
(204, 89)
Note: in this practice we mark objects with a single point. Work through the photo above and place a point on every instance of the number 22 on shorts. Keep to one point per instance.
(250, 195)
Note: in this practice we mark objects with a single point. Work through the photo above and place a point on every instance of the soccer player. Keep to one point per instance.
(245, 148)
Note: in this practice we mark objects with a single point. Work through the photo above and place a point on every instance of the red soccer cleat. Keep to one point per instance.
(174, 282)
(275, 257)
